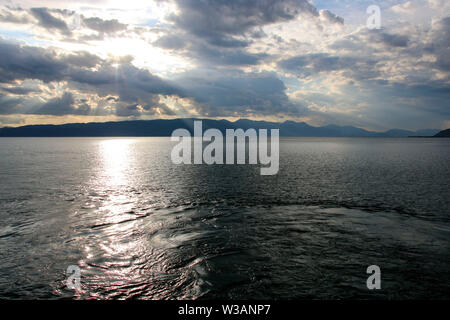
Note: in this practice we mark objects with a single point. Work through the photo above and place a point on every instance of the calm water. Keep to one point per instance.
(141, 227)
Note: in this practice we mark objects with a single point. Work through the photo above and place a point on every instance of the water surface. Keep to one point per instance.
(141, 227)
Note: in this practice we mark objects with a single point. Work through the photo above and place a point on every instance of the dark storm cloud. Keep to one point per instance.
(212, 19)
(171, 42)
(239, 93)
(128, 110)
(59, 106)
(229, 42)
(222, 56)
(81, 59)
(217, 32)
(314, 63)
(394, 40)
(129, 83)
(48, 21)
(25, 62)
(207, 54)
(64, 105)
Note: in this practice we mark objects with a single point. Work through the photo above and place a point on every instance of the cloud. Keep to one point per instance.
(394, 40)
(218, 32)
(440, 45)
(331, 17)
(19, 90)
(129, 83)
(394, 77)
(48, 21)
(8, 104)
(311, 65)
(217, 20)
(18, 17)
(204, 53)
(81, 59)
(16, 119)
(63, 105)
(69, 25)
(171, 42)
(405, 8)
(25, 62)
(236, 93)
(104, 26)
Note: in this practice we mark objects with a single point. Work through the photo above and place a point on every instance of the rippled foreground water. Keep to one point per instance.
(141, 227)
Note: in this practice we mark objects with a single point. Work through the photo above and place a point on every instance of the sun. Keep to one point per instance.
(145, 55)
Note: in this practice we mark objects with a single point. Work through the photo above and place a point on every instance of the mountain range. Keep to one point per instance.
(165, 127)
(443, 134)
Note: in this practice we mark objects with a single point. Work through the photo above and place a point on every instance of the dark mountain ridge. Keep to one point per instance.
(165, 127)
(443, 134)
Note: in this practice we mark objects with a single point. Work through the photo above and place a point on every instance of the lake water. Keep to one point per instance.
(139, 226)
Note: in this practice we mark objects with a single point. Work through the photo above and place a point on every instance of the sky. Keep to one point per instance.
(312, 61)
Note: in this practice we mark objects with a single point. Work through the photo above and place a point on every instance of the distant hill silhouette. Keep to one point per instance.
(163, 128)
(443, 134)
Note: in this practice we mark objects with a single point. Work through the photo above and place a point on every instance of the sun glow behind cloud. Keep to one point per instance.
(144, 55)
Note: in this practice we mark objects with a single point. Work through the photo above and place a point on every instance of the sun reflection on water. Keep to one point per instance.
(130, 248)
(115, 180)
(116, 156)
(110, 254)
